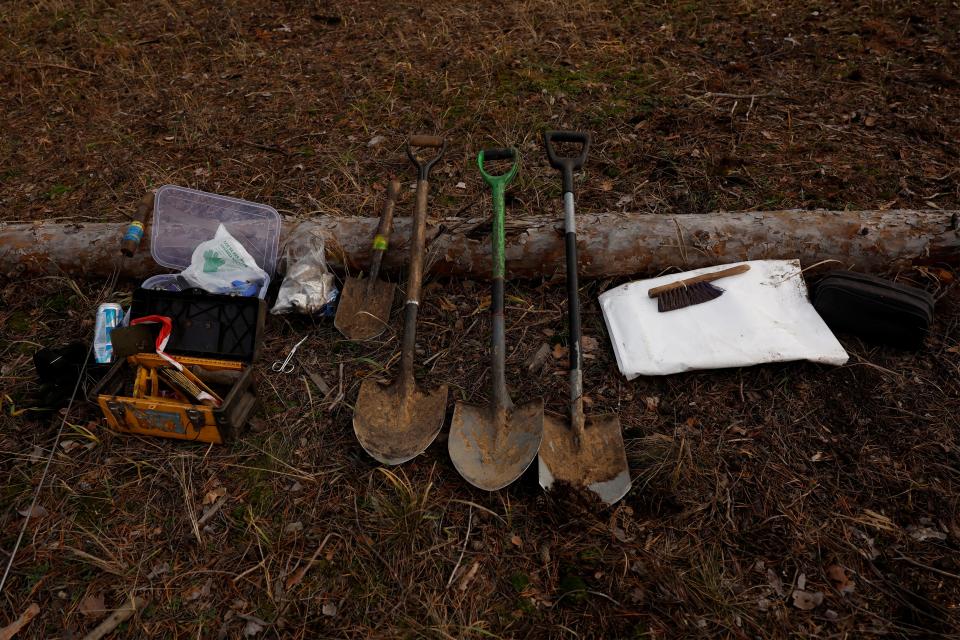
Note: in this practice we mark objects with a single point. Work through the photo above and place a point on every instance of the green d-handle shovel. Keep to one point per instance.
(398, 421)
(586, 452)
(492, 445)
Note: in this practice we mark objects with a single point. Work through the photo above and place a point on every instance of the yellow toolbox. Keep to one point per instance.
(214, 338)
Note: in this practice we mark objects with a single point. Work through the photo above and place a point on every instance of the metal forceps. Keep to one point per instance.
(287, 366)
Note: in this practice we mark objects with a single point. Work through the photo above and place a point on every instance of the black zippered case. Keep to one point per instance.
(874, 308)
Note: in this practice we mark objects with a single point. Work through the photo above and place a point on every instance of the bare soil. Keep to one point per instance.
(750, 486)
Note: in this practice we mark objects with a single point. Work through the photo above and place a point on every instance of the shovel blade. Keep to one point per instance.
(597, 463)
(490, 455)
(363, 316)
(397, 422)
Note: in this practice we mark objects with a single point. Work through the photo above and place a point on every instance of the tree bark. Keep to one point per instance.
(609, 244)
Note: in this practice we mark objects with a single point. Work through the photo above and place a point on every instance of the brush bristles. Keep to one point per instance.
(683, 297)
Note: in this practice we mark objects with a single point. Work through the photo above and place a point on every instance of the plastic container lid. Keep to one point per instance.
(183, 218)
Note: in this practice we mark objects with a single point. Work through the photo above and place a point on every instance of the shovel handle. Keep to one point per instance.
(567, 164)
(498, 342)
(498, 185)
(426, 142)
(418, 240)
(382, 240)
(704, 277)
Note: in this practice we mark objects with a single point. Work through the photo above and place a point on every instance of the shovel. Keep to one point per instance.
(398, 421)
(364, 308)
(587, 452)
(491, 446)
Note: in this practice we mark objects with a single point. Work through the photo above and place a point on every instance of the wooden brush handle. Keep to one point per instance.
(705, 277)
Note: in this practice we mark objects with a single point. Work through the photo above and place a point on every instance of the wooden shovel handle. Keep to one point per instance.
(705, 277)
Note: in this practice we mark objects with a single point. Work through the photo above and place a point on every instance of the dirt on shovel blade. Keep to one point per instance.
(598, 464)
(490, 456)
(398, 421)
(362, 315)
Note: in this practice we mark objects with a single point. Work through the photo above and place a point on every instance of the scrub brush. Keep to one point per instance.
(695, 290)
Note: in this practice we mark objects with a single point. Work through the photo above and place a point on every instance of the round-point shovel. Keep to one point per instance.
(491, 446)
(398, 421)
(364, 308)
(586, 452)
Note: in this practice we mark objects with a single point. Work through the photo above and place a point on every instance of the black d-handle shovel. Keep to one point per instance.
(586, 452)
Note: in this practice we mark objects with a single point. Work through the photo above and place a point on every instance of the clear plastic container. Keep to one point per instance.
(183, 218)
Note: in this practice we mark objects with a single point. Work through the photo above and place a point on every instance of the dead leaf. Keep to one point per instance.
(9, 631)
(536, 361)
(36, 511)
(922, 534)
(158, 570)
(197, 592)
(843, 583)
(93, 606)
(806, 600)
(468, 576)
(775, 582)
(69, 445)
(589, 344)
(515, 540)
(252, 628)
(214, 494)
(375, 140)
(767, 135)
(622, 535)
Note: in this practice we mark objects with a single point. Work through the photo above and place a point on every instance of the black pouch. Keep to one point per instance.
(873, 308)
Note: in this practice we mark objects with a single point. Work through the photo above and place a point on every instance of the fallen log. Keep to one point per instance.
(609, 244)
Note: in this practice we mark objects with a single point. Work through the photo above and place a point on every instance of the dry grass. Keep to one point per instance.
(747, 482)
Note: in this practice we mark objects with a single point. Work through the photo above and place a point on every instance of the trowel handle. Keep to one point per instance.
(134, 234)
(382, 240)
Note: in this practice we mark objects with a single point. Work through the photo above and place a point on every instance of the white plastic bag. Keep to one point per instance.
(308, 286)
(223, 265)
(763, 316)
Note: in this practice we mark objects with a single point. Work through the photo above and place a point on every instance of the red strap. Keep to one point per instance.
(166, 328)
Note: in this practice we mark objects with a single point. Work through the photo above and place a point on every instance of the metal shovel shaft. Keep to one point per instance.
(414, 282)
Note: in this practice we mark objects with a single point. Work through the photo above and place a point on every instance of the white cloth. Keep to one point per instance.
(764, 315)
